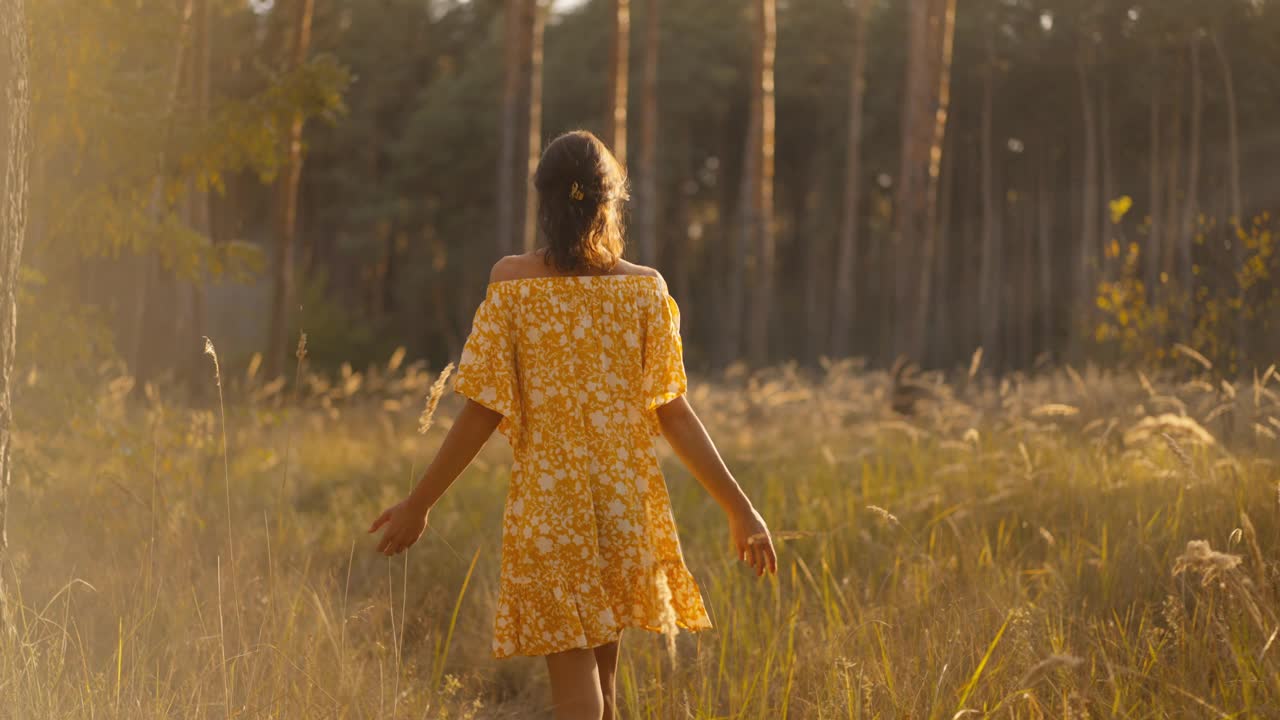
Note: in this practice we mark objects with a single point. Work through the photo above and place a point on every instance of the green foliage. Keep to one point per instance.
(402, 97)
(1229, 315)
(124, 151)
(69, 355)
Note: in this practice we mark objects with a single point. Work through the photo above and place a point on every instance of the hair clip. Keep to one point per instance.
(575, 192)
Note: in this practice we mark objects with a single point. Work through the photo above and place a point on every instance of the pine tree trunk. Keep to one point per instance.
(1233, 133)
(919, 119)
(1191, 205)
(648, 200)
(1088, 241)
(1044, 237)
(988, 276)
(619, 72)
(763, 280)
(13, 227)
(1105, 227)
(808, 232)
(509, 139)
(287, 185)
(942, 325)
(943, 24)
(731, 345)
(1237, 220)
(1173, 185)
(1151, 251)
(539, 19)
(846, 285)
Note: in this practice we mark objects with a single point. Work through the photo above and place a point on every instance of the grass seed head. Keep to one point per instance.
(1202, 559)
(433, 399)
(885, 515)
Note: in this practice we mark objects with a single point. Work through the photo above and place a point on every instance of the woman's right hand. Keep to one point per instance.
(751, 540)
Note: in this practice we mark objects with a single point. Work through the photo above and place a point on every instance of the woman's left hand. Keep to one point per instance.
(405, 524)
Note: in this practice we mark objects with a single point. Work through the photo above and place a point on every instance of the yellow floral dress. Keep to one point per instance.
(577, 367)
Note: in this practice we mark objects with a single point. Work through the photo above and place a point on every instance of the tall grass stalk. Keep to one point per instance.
(226, 478)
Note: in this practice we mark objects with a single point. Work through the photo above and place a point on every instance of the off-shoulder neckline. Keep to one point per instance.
(581, 278)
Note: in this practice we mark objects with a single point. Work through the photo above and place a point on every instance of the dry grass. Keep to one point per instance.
(1080, 544)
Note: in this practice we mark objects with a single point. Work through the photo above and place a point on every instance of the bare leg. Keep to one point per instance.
(575, 685)
(607, 664)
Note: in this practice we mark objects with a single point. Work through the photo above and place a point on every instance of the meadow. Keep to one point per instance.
(1064, 543)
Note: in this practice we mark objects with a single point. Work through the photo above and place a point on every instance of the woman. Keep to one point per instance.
(575, 356)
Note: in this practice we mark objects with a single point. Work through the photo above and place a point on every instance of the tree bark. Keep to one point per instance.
(808, 232)
(1086, 251)
(619, 72)
(846, 288)
(925, 23)
(509, 138)
(13, 228)
(648, 210)
(1233, 133)
(943, 24)
(540, 11)
(942, 329)
(763, 281)
(1106, 228)
(1044, 236)
(1191, 204)
(282, 299)
(1172, 166)
(988, 275)
(742, 256)
(1155, 229)
(1237, 220)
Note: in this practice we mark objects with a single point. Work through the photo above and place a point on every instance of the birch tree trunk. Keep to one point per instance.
(13, 228)
(846, 288)
(619, 72)
(648, 189)
(282, 299)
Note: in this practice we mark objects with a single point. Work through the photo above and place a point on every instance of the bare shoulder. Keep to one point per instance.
(511, 267)
(629, 268)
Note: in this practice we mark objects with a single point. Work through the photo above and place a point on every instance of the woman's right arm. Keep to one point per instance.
(689, 439)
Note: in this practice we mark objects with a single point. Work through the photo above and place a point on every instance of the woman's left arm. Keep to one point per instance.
(406, 520)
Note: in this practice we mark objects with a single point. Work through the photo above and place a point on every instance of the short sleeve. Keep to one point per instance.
(663, 378)
(487, 369)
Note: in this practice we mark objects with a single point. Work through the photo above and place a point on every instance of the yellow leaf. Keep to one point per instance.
(1120, 207)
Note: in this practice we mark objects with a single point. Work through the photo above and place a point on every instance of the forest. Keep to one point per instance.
(1050, 180)
(979, 299)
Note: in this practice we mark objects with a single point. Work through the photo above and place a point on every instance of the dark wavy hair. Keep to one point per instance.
(582, 190)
